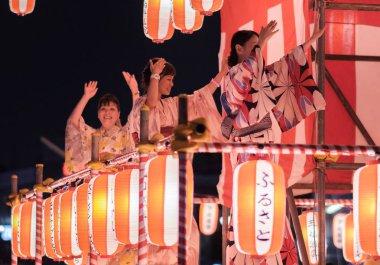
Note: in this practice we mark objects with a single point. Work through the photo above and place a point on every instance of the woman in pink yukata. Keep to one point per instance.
(267, 97)
(157, 81)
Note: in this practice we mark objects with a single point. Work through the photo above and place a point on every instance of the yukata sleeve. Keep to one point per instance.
(77, 146)
(202, 104)
(294, 88)
(248, 90)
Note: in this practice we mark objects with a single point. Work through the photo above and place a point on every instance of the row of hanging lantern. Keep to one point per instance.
(357, 233)
(161, 17)
(110, 204)
(22, 7)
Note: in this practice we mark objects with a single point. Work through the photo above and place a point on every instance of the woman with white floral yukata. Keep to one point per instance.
(114, 138)
(157, 81)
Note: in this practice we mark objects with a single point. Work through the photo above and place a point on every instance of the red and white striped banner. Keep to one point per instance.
(310, 203)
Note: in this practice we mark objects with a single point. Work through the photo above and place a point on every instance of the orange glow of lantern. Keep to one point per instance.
(207, 7)
(157, 20)
(366, 207)
(67, 225)
(81, 207)
(338, 228)
(208, 218)
(162, 193)
(101, 207)
(22, 7)
(309, 227)
(27, 229)
(258, 207)
(48, 228)
(127, 206)
(56, 220)
(351, 247)
(185, 18)
(16, 231)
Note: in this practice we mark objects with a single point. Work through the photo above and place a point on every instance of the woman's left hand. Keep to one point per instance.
(132, 83)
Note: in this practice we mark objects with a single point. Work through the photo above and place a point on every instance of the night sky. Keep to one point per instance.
(48, 55)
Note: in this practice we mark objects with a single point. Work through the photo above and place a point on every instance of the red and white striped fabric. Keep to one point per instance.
(22, 7)
(350, 32)
(292, 17)
(39, 246)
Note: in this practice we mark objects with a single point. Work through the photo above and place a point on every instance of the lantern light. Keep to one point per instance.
(185, 18)
(208, 218)
(258, 207)
(351, 247)
(22, 7)
(338, 227)
(366, 207)
(309, 227)
(157, 20)
(15, 231)
(207, 7)
(162, 199)
(27, 229)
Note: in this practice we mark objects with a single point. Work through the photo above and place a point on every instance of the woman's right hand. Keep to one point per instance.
(158, 66)
(267, 32)
(90, 89)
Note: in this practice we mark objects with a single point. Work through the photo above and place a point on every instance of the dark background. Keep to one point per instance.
(45, 58)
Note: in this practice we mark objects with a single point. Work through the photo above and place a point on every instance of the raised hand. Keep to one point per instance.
(131, 82)
(267, 32)
(317, 32)
(90, 89)
(158, 66)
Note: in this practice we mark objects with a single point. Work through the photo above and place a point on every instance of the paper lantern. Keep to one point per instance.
(127, 206)
(208, 218)
(309, 227)
(56, 221)
(82, 228)
(366, 207)
(338, 228)
(351, 247)
(162, 199)
(258, 207)
(185, 18)
(207, 7)
(48, 221)
(67, 225)
(27, 229)
(16, 231)
(157, 20)
(22, 7)
(101, 210)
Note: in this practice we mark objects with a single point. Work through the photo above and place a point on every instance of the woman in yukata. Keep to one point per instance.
(157, 81)
(114, 138)
(262, 100)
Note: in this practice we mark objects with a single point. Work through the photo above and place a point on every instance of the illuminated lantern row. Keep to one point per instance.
(366, 185)
(351, 248)
(162, 195)
(208, 218)
(22, 7)
(338, 227)
(258, 207)
(309, 227)
(161, 17)
(207, 7)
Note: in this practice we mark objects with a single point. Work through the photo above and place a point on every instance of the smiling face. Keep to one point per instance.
(165, 85)
(245, 50)
(108, 115)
